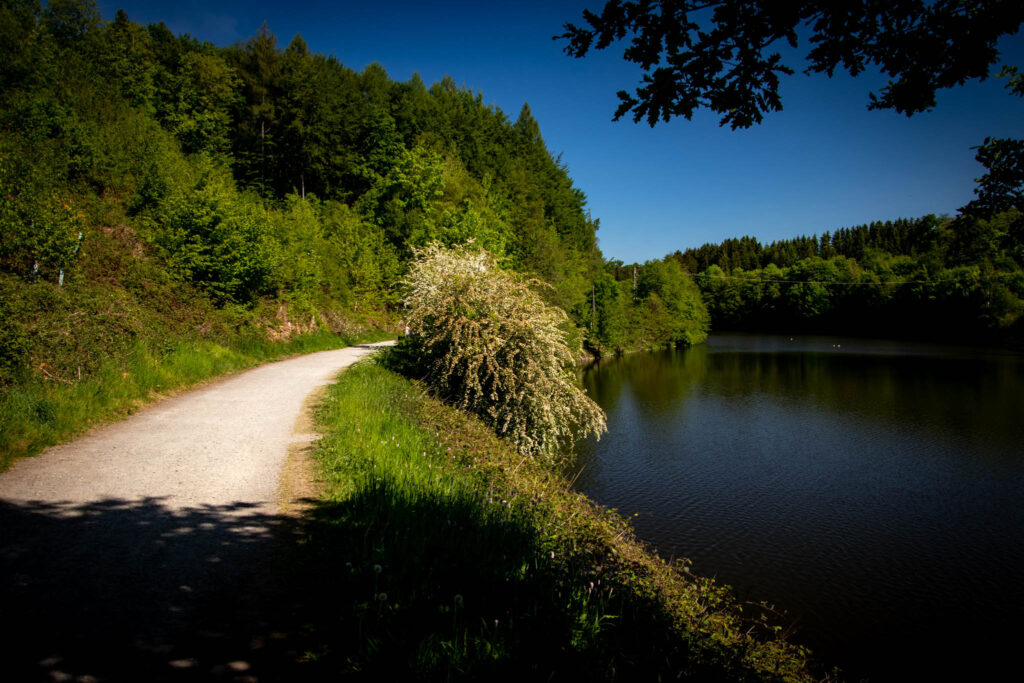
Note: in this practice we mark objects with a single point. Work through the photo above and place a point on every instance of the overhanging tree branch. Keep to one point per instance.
(923, 47)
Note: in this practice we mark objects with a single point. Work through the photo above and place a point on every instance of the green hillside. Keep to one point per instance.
(160, 196)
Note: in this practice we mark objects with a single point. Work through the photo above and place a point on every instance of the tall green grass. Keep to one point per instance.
(39, 412)
(454, 558)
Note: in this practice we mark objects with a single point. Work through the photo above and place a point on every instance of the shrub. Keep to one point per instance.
(488, 343)
(40, 232)
(217, 238)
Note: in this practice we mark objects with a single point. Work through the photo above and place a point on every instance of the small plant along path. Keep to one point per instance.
(149, 549)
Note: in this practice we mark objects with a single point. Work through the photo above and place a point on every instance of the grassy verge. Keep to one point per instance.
(44, 408)
(455, 558)
(121, 331)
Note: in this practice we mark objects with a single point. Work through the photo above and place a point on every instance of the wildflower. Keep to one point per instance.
(377, 569)
(383, 597)
(458, 600)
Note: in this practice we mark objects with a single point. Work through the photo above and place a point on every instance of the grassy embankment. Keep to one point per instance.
(456, 558)
(47, 410)
(121, 332)
(43, 412)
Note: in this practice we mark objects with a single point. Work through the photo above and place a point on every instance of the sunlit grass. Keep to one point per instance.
(457, 558)
(39, 412)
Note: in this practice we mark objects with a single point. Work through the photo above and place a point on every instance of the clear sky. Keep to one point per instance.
(822, 163)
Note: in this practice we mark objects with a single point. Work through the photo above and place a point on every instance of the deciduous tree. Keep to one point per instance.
(723, 55)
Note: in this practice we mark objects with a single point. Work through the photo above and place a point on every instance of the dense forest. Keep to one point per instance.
(947, 279)
(153, 180)
(155, 188)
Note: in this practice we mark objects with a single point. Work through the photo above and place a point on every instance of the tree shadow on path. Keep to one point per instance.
(135, 590)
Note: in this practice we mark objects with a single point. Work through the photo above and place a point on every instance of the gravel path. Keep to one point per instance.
(142, 551)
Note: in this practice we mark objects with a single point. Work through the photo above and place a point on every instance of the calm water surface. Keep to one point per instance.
(873, 490)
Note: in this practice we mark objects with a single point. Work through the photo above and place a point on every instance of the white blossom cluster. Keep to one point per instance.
(492, 346)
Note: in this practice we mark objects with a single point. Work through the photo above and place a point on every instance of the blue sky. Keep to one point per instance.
(822, 163)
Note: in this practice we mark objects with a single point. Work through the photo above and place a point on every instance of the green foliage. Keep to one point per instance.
(637, 307)
(298, 237)
(126, 51)
(71, 21)
(40, 233)
(489, 344)
(17, 38)
(952, 280)
(198, 108)
(357, 258)
(664, 284)
(909, 237)
(609, 323)
(418, 165)
(403, 201)
(215, 238)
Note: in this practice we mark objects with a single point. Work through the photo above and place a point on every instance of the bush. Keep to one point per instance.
(40, 232)
(487, 342)
(217, 238)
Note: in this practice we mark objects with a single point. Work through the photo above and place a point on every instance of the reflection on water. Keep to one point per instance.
(873, 490)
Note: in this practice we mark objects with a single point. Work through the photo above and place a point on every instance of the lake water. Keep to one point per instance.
(873, 490)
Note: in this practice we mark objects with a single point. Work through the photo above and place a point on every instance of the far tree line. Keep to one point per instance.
(951, 279)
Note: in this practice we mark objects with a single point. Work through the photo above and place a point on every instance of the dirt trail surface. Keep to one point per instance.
(152, 548)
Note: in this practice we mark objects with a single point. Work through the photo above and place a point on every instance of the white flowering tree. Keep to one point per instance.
(490, 344)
